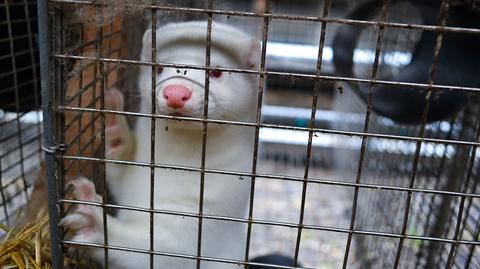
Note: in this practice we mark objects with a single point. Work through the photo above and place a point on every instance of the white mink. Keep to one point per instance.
(229, 147)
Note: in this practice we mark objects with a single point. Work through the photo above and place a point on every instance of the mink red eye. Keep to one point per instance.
(159, 69)
(215, 73)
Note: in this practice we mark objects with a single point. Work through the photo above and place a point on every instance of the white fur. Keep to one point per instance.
(232, 97)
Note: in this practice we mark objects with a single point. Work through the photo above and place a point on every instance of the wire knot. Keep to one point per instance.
(55, 149)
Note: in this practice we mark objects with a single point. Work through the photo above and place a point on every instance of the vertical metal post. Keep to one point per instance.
(208, 48)
(99, 38)
(442, 20)
(48, 125)
(366, 126)
(316, 90)
(153, 121)
(261, 87)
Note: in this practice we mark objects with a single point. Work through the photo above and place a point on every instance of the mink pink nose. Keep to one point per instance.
(176, 95)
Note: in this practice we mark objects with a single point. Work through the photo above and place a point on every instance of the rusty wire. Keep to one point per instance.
(267, 16)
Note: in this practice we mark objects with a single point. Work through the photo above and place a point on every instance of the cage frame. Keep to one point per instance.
(54, 146)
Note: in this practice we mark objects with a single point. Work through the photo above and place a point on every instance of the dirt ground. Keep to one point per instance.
(279, 200)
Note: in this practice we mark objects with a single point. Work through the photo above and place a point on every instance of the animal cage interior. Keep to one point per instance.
(257, 134)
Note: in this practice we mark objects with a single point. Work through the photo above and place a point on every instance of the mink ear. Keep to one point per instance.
(253, 54)
(147, 46)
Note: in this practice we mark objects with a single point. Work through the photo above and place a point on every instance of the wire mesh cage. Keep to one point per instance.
(20, 121)
(433, 208)
(367, 122)
(448, 169)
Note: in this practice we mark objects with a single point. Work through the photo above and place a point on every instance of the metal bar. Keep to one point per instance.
(326, 7)
(71, 123)
(442, 19)
(80, 91)
(176, 255)
(383, 17)
(365, 134)
(208, 49)
(270, 176)
(78, 119)
(276, 126)
(93, 104)
(59, 91)
(271, 223)
(99, 53)
(86, 66)
(278, 177)
(84, 147)
(153, 16)
(276, 73)
(283, 17)
(95, 40)
(266, 23)
(77, 137)
(81, 133)
(49, 139)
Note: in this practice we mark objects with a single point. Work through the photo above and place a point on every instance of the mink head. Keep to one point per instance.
(181, 84)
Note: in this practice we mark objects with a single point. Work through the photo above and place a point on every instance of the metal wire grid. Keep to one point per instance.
(439, 168)
(17, 29)
(430, 214)
(58, 55)
(20, 130)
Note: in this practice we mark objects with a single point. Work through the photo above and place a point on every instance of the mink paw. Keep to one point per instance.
(117, 133)
(85, 220)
